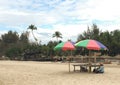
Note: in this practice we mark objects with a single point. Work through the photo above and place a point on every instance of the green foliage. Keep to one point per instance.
(10, 37)
(13, 53)
(18, 47)
(109, 39)
(57, 34)
(92, 33)
(24, 37)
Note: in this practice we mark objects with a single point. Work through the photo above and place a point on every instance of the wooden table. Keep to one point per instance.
(89, 66)
(78, 65)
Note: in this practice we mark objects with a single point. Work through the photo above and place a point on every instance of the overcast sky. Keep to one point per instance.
(70, 17)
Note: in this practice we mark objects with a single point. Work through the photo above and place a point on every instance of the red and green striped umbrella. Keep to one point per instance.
(65, 46)
(91, 44)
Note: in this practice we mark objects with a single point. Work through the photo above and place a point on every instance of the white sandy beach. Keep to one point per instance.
(52, 73)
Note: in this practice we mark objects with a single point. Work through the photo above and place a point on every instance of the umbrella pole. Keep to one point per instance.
(69, 64)
(69, 60)
(89, 56)
(95, 59)
(89, 61)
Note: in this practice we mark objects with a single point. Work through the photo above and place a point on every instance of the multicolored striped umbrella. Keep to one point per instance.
(91, 44)
(65, 46)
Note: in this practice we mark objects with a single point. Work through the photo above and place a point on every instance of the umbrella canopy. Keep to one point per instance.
(65, 46)
(91, 44)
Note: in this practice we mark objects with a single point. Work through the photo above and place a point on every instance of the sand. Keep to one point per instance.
(53, 73)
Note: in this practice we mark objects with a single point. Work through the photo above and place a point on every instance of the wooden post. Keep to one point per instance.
(69, 64)
(89, 68)
(89, 61)
(70, 60)
(95, 59)
(89, 55)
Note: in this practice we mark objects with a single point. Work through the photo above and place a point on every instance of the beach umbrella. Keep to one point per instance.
(65, 46)
(91, 44)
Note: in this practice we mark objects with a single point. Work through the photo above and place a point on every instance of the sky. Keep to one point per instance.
(70, 17)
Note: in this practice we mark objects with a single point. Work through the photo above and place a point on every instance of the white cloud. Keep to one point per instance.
(104, 9)
(68, 32)
(70, 17)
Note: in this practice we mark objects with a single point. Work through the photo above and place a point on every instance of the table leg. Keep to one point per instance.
(74, 68)
(80, 68)
(89, 69)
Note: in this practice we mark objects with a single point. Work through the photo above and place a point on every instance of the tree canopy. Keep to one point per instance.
(57, 34)
(19, 47)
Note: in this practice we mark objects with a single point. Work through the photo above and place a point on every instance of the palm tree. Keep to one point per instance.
(33, 27)
(57, 34)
